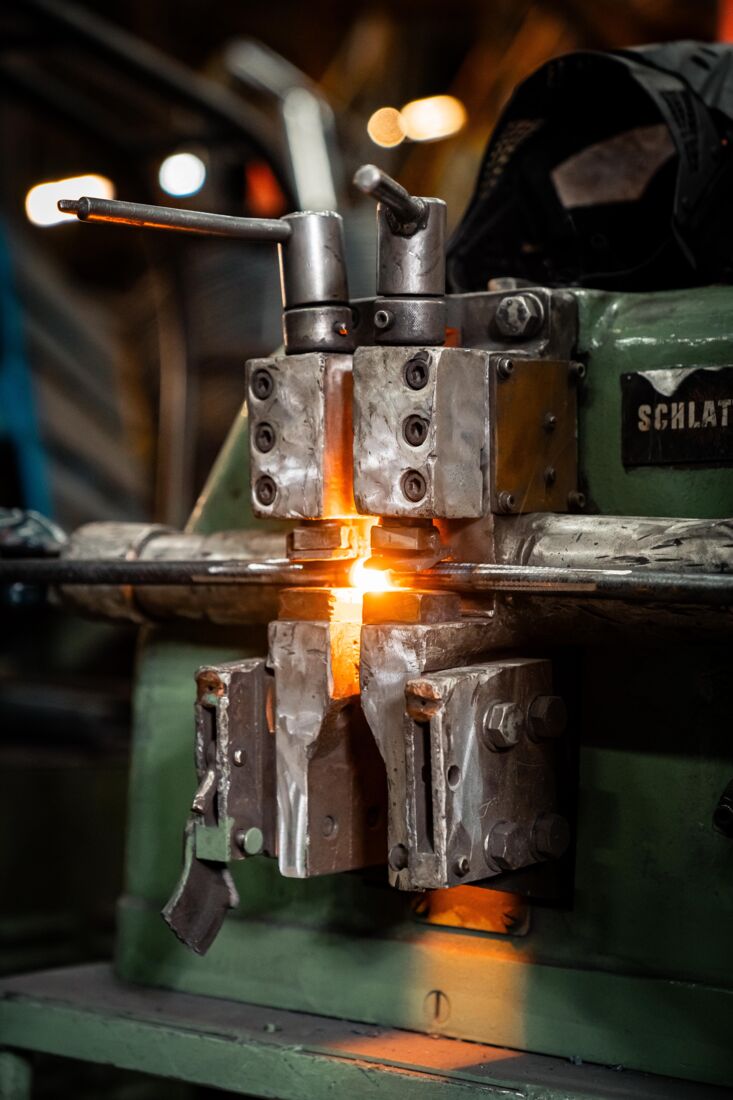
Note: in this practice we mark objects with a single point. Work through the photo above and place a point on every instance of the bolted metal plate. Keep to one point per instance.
(300, 436)
(480, 749)
(534, 445)
(420, 432)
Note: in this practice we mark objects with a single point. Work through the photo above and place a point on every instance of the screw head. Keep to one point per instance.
(261, 384)
(417, 371)
(576, 501)
(506, 501)
(251, 840)
(415, 430)
(264, 437)
(505, 367)
(239, 756)
(329, 827)
(519, 316)
(461, 867)
(577, 371)
(550, 836)
(265, 490)
(503, 726)
(549, 422)
(398, 857)
(414, 486)
(383, 319)
(548, 716)
(506, 846)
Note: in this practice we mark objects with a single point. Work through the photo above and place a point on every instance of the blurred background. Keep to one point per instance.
(122, 352)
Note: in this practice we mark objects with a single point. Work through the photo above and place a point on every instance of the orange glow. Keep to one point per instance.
(369, 580)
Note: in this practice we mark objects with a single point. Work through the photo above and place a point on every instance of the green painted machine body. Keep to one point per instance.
(638, 968)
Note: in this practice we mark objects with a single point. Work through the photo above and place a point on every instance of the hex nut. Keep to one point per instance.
(519, 316)
(261, 384)
(548, 717)
(505, 846)
(550, 836)
(504, 725)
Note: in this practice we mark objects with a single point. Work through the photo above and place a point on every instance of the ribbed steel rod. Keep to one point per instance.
(639, 585)
(271, 230)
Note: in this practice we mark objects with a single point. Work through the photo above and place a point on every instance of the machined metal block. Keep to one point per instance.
(301, 436)
(420, 432)
(481, 763)
(330, 779)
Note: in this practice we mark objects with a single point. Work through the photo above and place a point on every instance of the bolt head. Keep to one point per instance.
(328, 826)
(417, 371)
(462, 866)
(415, 430)
(505, 367)
(264, 437)
(550, 836)
(506, 501)
(576, 501)
(503, 726)
(506, 846)
(548, 716)
(265, 490)
(239, 756)
(383, 319)
(414, 486)
(261, 384)
(519, 316)
(251, 840)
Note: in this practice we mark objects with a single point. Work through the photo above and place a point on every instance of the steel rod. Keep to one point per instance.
(373, 181)
(639, 585)
(270, 230)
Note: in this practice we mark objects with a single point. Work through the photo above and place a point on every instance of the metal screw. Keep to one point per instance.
(505, 846)
(506, 501)
(550, 475)
(250, 840)
(414, 486)
(503, 726)
(328, 827)
(398, 857)
(265, 490)
(264, 437)
(417, 370)
(461, 867)
(576, 500)
(548, 716)
(415, 430)
(550, 836)
(577, 371)
(262, 384)
(519, 316)
(550, 422)
(239, 756)
(505, 367)
(383, 319)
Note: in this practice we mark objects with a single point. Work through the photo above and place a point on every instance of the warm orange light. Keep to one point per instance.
(385, 127)
(368, 580)
(433, 118)
(41, 201)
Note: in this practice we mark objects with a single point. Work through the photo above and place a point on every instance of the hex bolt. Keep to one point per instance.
(264, 437)
(250, 840)
(398, 857)
(417, 370)
(505, 846)
(462, 866)
(548, 717)
(519, 316)
(265, 490)
(550, 836)
(505, 367)
(414, 486)
(239, 756)
(506, 501)
(415, 430)
(576, 501)
(383, 319)
(504, 725)
(262, 384)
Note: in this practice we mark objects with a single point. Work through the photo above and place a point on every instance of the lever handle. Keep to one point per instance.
(407, 210)
(272, 231)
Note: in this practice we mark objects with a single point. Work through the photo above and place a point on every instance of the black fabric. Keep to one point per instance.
(678, 232)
